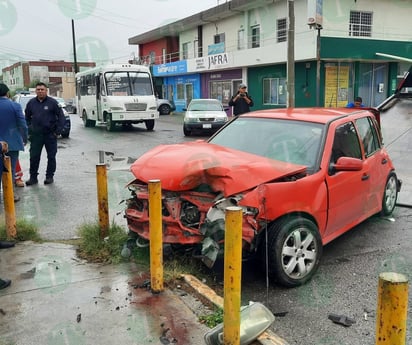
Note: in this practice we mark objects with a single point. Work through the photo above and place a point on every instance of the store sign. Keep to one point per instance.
(210, 62)
(171, 68)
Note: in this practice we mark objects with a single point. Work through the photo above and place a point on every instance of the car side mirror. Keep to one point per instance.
(348, 164)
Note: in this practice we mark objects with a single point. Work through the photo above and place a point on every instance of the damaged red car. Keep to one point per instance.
(302, 177)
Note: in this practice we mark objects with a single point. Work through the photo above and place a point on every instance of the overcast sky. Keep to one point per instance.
(42, 29)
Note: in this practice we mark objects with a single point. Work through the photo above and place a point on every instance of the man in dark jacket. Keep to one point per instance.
(45, 120)
(241, 102)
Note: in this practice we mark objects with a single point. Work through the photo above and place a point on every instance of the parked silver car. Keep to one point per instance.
(165, 107)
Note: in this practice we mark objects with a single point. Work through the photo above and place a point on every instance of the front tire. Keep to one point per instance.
(186, 132)
(110, 124)
(149, 124)
(390, 195)
(294, 251)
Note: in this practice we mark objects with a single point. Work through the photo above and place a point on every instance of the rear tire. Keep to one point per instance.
(87, 122)
(294, 251)
(390, 195)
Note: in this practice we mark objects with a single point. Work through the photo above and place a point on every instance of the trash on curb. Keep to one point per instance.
(341, 319)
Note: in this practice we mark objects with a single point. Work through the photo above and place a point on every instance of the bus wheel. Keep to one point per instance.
(110, 125)
(149, 125)
(87, 122)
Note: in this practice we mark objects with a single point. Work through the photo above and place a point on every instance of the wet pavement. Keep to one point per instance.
(55, 298)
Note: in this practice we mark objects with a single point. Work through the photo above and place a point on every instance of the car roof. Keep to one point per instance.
(318, 115)
(205, 100)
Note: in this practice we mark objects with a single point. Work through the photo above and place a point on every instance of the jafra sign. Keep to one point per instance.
(209, 62)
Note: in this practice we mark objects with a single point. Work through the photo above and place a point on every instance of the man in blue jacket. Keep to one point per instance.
(45, 119)
(13, 129)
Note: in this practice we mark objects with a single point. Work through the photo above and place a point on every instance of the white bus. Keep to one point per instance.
(116, 94)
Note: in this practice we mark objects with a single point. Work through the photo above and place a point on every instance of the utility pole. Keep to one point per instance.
(76, 68)
(291, 56)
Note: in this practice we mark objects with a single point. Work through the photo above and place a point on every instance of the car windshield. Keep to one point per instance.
(205, 106)
(284, 140)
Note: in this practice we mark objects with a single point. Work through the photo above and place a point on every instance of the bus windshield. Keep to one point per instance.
(128, 84)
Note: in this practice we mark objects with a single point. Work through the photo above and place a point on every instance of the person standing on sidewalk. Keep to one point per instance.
(45, 119)
(13, 129)
(241, 102)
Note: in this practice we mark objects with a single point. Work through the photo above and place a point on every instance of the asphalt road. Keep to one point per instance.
(346, 282)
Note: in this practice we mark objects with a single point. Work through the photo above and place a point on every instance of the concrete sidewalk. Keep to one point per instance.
(55, 298)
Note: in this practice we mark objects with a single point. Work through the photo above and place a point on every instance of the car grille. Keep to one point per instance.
(207, 119)
(136, 106)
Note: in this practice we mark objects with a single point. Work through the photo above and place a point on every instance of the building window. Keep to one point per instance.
(274, 91)
(219, 38)
(241, 39)
(360, 24)
(152, 57)
(185, 50)
(255, 37)
(282, 33)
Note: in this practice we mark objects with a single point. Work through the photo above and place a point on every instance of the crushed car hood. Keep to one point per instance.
(186, 166)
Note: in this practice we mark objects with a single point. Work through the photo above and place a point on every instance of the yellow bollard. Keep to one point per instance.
(232, 276)
(392, 309)
(156, 238)
(8, 197)
(102, 199)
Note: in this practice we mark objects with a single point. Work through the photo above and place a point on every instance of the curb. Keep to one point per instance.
(266, 338)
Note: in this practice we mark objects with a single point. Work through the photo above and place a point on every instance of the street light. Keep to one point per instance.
(318, 27)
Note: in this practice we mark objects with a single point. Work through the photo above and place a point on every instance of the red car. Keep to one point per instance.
(302, 176)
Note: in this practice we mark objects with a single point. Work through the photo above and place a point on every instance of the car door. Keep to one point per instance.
(347, 189)
(375, 160)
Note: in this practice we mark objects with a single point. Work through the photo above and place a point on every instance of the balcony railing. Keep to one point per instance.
(230, 46)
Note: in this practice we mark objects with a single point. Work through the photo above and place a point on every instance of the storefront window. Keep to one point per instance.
(220, 90)
(274, 91)
(180, 90)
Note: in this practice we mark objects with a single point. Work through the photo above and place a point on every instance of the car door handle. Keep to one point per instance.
(365, 177)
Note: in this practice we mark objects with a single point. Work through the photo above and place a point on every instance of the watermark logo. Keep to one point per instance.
(53, 274)
(8, 17)
(92, 49)
(318, 291)
(66, 334)
(77, 9)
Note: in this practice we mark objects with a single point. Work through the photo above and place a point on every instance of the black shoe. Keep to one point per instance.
(4, 283)
(31, 182)
(48, 180)
(6, 244)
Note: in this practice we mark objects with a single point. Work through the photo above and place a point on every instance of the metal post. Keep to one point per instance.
(8, 197)
(156, 239)
(102, 199)
(232, 275)
(392, 309)
(291, 56)
(318, 27)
